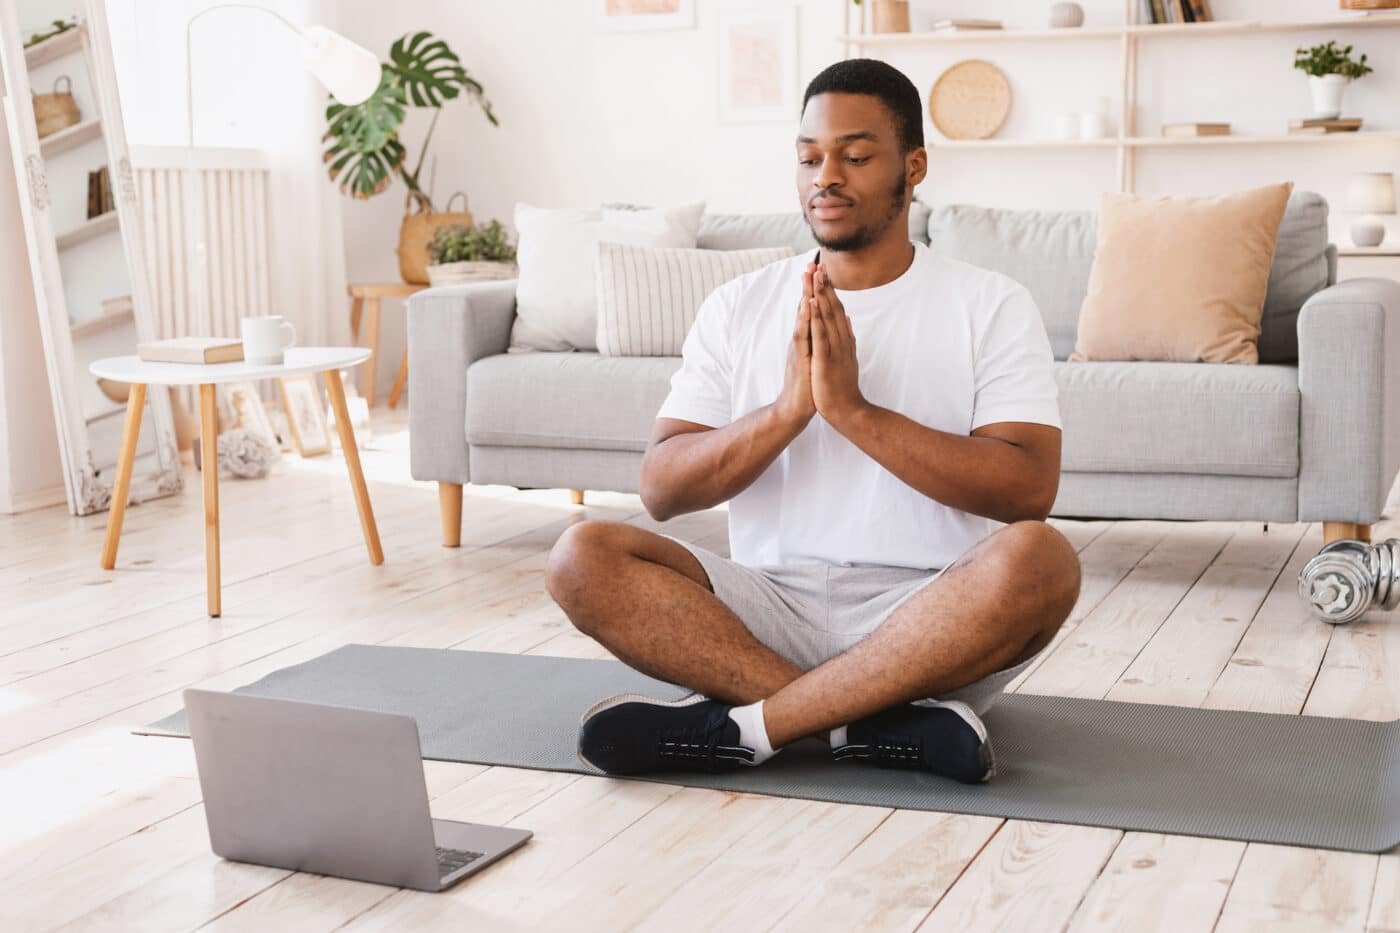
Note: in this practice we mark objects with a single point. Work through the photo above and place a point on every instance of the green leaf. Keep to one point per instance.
(427, 69)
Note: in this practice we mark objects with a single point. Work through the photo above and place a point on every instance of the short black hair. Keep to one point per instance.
(878, 79)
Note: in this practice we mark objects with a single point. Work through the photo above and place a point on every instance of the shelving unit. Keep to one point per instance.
(1129, 35)
(70, 138)
(55, 47)
(96, 226)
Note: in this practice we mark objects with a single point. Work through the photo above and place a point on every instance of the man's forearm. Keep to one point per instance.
(981, 475)
(699, 470)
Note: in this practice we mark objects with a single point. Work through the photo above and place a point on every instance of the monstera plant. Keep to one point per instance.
(363, 150)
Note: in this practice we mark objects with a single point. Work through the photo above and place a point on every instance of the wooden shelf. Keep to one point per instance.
(103, 223)
(1288, 139)
(1382, 250)
(1143, 31)
(55, 47)
(70, 138)
(100, 323)
(996, 143)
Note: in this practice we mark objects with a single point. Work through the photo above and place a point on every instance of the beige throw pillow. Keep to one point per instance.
(1180, 279)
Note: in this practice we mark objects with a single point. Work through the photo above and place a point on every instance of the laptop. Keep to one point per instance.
(329, 790)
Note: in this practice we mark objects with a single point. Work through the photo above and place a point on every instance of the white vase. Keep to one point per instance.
(1066, 15)
(1327, 95)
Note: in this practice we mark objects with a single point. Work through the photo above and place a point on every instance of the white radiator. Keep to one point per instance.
(232, 185)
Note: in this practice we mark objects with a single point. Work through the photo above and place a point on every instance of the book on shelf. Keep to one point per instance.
(1195, 129)
(1320, 125)
(99, 193)
(191, 350)
(1177, 11)
(958, 25)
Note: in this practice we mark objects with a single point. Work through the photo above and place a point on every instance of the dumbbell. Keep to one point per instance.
(1348, 577)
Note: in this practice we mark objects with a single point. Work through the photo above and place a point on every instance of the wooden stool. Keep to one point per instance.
(366, 295)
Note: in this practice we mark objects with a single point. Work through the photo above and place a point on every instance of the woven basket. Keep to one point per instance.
(56, 111)
(1370, 4)
(416, 232)
(456, 273)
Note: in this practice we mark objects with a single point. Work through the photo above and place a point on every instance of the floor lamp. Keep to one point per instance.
(350, 72)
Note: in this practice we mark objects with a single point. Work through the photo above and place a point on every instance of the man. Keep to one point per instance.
(884, 423)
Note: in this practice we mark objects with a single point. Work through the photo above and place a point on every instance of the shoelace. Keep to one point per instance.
(680, 743)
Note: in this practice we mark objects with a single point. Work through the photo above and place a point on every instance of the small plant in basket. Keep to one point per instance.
(463, 253)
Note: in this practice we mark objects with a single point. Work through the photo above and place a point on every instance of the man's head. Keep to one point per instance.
(860, 151)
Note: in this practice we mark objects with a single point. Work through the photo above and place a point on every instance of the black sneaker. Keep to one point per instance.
(945, 737)
(635, 734)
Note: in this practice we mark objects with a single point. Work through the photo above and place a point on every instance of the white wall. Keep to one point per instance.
(589, 116)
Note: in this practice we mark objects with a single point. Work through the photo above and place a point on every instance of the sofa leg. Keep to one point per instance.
(1336, 531)
(576, 496)
(450, 504)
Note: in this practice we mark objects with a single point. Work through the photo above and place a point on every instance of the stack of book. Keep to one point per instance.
(1175, 11)
(1318, 126)
(99, 193)
(191, 350)
(965, 25)
(1195, 129)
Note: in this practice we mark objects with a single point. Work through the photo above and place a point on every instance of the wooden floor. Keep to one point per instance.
(100, 829)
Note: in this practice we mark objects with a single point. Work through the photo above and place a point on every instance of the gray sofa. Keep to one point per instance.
(1312, 433)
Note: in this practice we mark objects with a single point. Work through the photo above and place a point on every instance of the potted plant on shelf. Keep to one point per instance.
(365, 154)
(1329, 71)
(463, 253)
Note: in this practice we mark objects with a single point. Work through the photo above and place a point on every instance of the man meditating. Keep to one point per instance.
(884, 424)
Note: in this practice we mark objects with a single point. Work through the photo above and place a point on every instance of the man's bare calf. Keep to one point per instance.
(648, 601)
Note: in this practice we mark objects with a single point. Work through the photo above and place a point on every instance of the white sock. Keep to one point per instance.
(752, 731)
(838, 736)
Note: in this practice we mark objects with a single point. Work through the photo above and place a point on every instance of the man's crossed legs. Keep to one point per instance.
(650, 602)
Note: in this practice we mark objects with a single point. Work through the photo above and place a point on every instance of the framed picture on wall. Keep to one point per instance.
(758, 63)
(635, 15)
(306, 417)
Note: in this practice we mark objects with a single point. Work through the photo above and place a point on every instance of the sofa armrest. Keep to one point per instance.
(449, 328)
(1349, 381)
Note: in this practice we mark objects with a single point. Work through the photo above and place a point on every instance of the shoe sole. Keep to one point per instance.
(622, 698)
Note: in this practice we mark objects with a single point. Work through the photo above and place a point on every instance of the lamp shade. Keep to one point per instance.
(349, 71)
(1372, 193)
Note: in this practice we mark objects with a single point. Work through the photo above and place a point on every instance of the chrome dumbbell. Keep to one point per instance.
(1348, 577)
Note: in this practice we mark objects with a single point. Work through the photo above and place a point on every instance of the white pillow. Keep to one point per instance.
(648, 296)
(556, 298)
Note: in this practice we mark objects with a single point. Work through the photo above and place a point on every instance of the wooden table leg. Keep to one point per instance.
(399, 380)
(209, 466)
(357, 306)
(372, 305)
(336, 391)
(121, 487)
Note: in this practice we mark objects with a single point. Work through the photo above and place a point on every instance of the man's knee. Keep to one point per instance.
(1040, 565)
(579, 559)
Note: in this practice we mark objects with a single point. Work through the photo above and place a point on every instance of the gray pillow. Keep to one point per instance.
(754, 231)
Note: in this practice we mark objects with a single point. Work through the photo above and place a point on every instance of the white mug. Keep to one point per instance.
(266, 338)
(1093, 125)
(1067, 125)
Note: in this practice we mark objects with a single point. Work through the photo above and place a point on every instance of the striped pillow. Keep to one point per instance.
(648, 296)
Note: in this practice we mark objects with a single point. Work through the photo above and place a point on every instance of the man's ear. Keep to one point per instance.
(916, 166)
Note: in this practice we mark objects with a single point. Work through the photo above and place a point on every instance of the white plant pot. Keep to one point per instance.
(1327, 95)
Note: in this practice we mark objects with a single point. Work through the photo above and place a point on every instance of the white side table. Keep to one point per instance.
(1355, 262)
(298, 360)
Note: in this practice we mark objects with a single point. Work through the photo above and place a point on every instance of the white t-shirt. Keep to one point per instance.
(947, 344)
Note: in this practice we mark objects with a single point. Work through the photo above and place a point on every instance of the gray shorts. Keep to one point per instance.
(809, 613)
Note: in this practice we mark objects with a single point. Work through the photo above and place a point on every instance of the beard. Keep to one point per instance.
(866, 234)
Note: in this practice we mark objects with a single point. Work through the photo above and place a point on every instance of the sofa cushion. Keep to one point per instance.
(1051, 252)
(1212, 418)
(789, 228)
(578, 399)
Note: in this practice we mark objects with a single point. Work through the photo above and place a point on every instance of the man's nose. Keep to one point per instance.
(829, 175)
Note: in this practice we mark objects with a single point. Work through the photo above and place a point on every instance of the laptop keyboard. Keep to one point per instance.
(449, 860)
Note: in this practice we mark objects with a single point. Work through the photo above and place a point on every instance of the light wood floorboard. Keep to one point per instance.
(100, 829)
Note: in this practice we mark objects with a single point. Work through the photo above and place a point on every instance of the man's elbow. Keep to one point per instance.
(1041, 501)
(655, 499)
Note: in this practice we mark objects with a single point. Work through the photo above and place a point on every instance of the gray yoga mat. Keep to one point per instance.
(1298, 780)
